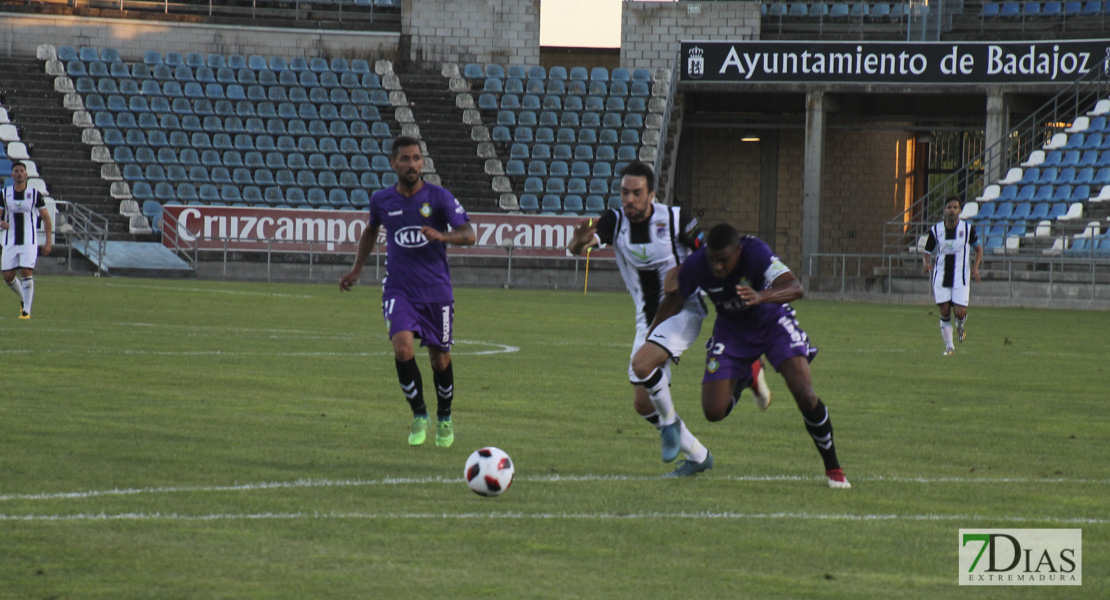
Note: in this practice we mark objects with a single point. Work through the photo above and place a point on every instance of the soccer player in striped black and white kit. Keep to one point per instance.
(22, 209)
(948, 259)
(650, 240)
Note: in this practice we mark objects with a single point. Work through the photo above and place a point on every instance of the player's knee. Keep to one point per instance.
(715, 411)
(641, 370)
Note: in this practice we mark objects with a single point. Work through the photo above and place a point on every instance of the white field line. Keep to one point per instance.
(196, 290)
(323, 483)
(496, 349)
(601, 516)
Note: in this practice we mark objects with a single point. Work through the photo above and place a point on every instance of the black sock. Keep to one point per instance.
(445, 391)
(820, 429)
(412, 385)
(653, 418)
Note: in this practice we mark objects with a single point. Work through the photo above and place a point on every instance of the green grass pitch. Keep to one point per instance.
(196, 439)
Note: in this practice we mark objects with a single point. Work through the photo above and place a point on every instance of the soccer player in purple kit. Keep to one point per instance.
(420, 219)
(751, 289)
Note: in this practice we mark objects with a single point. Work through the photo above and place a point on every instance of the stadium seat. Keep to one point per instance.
(551, 203)
(529, 202)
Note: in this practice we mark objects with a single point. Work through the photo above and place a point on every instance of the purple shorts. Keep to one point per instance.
(730, 355)
(433, 322)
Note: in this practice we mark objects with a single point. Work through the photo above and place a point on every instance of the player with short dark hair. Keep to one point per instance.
(420, 219)
(946, 255)
(751, 289)
(651, 239)
(23, 208)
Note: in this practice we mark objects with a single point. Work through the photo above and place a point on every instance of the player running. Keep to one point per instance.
(650, 240)
(750, 288)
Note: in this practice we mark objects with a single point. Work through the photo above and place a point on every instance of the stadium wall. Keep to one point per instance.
(651, 31)
(505, 32)
(21, 35)
(868, 179)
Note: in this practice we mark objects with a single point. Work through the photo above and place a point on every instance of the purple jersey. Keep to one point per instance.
(416, 267)
(744, 326)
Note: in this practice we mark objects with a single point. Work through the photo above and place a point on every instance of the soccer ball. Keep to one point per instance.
(489, 471)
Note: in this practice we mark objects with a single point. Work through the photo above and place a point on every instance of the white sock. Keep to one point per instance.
(946, 332)
(694, 449)
(17, 287)
(28, 294)
(960, 323)
(658, 386)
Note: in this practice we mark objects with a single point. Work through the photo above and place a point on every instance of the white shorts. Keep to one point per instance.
(676, 334)
(957, 294)
(23, 256)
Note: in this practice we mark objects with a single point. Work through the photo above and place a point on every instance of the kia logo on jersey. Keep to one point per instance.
(410, 237)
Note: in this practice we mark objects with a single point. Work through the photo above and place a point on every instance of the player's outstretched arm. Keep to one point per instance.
(462, 235)
(365, 247)
(784, 289)
(583, 237)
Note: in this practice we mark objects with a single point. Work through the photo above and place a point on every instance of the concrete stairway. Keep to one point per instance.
(448, 140)
(54, 142)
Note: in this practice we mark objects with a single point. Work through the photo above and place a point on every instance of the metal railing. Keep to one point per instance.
(294, 10)
(85, 228)
(661, 144)
(968, 182)
(187, 250)
(1088, 271)
(314, 249)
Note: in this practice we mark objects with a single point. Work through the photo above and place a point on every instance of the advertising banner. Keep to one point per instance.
(286, 230)
(893, 62)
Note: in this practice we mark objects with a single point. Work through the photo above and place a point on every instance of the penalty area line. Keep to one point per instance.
(601, 516)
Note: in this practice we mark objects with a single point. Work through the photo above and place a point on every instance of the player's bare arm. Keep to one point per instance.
(462, 235)
(48, 229)
(975, 265)
(670, 280)
(928, 262)
(784, 289)
(583, 236)
(669, 306)
(365, 247)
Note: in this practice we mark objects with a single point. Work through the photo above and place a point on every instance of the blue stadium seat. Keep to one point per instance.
(594, 204)
(572, 204)
(1061, 193)
(537, 72)
(991, 10)
(551, 203)
(297, 64)
(529, 202)
(360, 198)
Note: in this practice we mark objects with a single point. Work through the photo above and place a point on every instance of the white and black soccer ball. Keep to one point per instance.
(489, 471)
